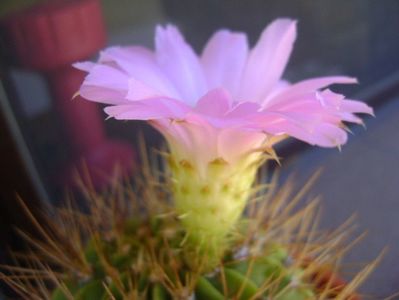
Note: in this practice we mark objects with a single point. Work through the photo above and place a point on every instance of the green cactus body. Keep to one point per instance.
(210, 202)
(58, 293)
(206, 290)
(267, 275)
(92, 289)
(258, 278)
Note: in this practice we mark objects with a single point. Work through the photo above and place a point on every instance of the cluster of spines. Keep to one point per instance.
(110, 252)
(124, 268)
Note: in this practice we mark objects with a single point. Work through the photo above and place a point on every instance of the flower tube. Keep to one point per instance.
(220, 112)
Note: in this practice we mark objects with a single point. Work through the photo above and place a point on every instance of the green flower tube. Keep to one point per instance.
(209, 206)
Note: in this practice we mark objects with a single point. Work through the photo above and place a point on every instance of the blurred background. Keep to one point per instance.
(44, 135)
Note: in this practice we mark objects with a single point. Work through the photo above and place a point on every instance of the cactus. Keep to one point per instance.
(131, 244)
(122, 268)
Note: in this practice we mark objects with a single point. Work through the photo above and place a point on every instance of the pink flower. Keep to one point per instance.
(218, 112)
(226, 102)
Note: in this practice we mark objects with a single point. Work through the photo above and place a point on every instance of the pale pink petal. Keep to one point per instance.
(345, 107)
(140, 63)
(354, 106)
(107, 76)
(149, 109)
(215, 103)
(202, 139)
(223, 60)
(349, 117)
(244, 109)
(179, 62)
(105, 84)
(306, 86)
(194, 140)
(234, 143)
(309, 128)
(323, 135)
(329, 99)
(102, 94)
(297, 126)
(328, 135)
(139, 91)
(280, 86)
(86, 66)
(310, 107)
(216, 107)
(281, 126)
(267, 60)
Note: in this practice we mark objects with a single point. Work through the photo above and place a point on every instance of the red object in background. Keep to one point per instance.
(48, 38)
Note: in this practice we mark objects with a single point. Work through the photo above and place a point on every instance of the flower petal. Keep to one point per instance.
(179, 62)
(194, 140)
(140, 91)
(104, 84)
(149, 109)
(244, 109)
(86, 66)
(354, 106)
(223, 60)
(102, 94)
(241, 102)
(306, 86)
(140, 63)
(234, 143)
(329, 135)
(215, 103)
(267, 60)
